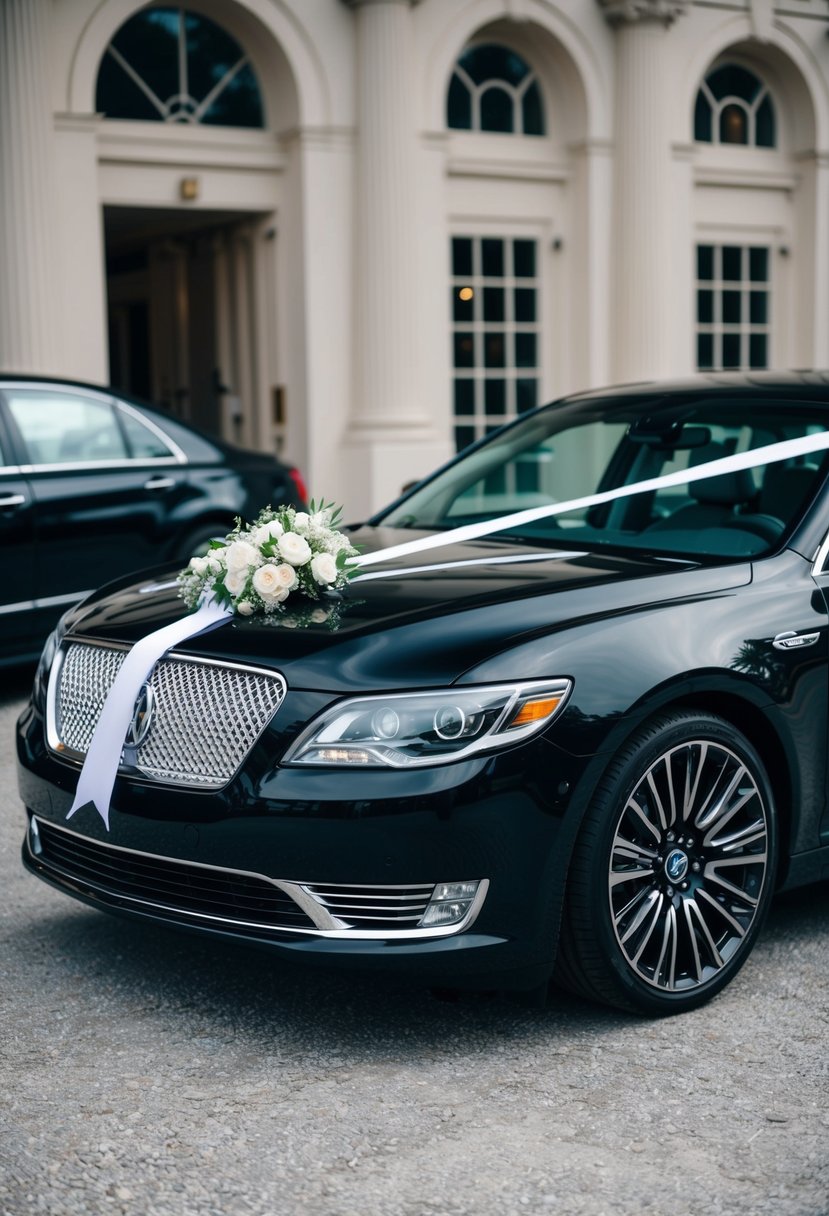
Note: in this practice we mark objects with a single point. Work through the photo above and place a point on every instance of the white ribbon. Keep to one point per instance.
(101, 764)
(100, 767)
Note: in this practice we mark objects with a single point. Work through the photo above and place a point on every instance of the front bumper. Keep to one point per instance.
(270, 861)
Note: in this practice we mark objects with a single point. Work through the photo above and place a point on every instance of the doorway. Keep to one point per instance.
(190, 302)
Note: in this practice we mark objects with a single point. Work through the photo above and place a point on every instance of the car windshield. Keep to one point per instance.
(580, 448)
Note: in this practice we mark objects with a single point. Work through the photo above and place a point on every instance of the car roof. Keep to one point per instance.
(806, 383)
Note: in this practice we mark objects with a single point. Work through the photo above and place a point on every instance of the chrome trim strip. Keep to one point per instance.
(169, 443)
(818, 567)
(8, 469)
(73, 466)
(287, 886)
(47, 601)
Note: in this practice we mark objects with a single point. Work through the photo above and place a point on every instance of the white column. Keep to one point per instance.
(391, 438)
(27, 314)
(642, 327)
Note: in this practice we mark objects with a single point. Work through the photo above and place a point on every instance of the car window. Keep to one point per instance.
(65, 428)
(577, 449)
(144, 443)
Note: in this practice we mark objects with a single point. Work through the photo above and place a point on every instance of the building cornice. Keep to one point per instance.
(634, 12)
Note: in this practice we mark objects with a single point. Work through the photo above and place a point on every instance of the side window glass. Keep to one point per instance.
(65, 428)
(144, 443)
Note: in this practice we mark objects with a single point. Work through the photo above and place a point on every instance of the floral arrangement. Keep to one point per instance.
(257, 566)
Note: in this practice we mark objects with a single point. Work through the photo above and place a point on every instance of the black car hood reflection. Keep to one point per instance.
(391, 628)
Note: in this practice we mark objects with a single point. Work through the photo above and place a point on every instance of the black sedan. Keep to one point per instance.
(588, 743)
(93, 486)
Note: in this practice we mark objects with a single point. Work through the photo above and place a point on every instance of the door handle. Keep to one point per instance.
(10, 501)
(160, 483)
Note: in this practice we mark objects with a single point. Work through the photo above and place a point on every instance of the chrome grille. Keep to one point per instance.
(206, 717)
(373, 907)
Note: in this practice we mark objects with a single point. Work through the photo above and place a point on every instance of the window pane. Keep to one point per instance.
(702, 119)
(764, 124)
(731, 307)
(494, 353)
(733, 81)
(705, 307)
(525, 350)
(732, 262)
(464, 435)
(239, 104)
(525, 304)
(526, 393)
(144, 444)
(465, 397)
(497, 110)
(758, 307)
(757, 350)
(733, 125)
(461, 255)
(118, 96)
(523, 259)
(705, 262)
(463, 303)
(532, 110)
(458, 105)
(495, 397)
(464, 350)
(758, 264)
(731, 350)
(705, 351)
(494, 62)
(149, 42)
(493, 304)
(492, 258)
(66, 429)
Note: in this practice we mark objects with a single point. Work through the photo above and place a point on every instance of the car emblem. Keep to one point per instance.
(142, 717)
(676, 865)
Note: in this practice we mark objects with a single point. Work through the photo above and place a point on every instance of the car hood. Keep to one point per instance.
(416, 621)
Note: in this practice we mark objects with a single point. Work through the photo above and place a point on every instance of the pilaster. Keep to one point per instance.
(642, 198)
(27, 313)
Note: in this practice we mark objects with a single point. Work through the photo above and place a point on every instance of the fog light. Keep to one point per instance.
(450, 904)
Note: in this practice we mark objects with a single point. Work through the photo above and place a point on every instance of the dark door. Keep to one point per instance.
(101, 506)
(17, 551)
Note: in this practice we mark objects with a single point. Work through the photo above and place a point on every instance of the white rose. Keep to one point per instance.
(287, 576)
(241, 556)
(198, 565)
(301, 521)
(294, 549)
(214, 563)
(235, 581)
(324, 568)
(271, 531)
(319, 615)
(267, 583)
(244, 608)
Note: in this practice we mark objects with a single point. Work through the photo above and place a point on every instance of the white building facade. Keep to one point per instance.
(364, 232)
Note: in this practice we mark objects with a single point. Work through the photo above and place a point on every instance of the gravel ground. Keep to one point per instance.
(148, 1072)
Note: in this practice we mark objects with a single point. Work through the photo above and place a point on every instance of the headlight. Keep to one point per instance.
(410, 729)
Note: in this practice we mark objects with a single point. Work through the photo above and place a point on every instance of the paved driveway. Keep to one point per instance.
(149, 1072)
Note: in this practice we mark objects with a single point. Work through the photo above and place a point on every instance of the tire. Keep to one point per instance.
(673, 869)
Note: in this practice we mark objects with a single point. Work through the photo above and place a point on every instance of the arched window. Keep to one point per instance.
(171, 65)
(494, 89)
(734, 107)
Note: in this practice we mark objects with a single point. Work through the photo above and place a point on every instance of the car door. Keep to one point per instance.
(100, 505)
(17, 549)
